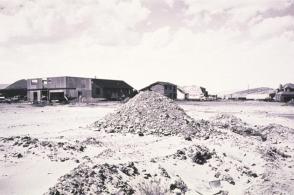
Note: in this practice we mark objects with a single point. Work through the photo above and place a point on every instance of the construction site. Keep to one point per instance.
(150, 144)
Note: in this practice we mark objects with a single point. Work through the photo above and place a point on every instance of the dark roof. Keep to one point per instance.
(105, 83)
(289, 85)
(20, 84)
(156, 83)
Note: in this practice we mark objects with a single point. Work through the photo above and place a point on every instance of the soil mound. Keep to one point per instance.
(236, 125)
(25, 146)
(150, 113)
(115, 179)
(276, 132)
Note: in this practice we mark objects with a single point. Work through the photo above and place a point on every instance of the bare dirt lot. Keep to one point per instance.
(247, 149)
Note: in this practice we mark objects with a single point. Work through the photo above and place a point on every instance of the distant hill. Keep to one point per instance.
(258, 92)
(3, 86)
(20, 84)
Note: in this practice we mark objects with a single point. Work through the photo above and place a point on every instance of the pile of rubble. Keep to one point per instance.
(113, 179)
(277, 133)
(22, 146)
(99, 179)
(236, 125)
(150, 113)
(30, 143)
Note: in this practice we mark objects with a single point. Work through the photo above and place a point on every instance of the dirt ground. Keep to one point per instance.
(39, 145)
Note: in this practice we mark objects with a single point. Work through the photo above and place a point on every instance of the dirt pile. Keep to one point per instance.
(150, 113)
(277, 133)
(23, 146)
(236, 125)
(99, 179)
(115, 179)
(29, 142)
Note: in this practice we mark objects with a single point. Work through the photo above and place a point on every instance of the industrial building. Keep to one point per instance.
(165, 88)
(192, 92)
(76, 88)
(285, 93)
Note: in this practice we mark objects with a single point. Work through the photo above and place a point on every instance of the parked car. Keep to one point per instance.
(15, 99)
(2, 99)
(5, 100)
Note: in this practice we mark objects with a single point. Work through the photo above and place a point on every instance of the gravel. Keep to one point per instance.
(150, 113)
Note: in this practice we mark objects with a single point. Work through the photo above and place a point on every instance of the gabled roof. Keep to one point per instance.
(193, 89)
(105, 83)
(181, 90)
(157, 83)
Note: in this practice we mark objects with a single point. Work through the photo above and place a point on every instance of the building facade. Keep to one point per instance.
(111, 89)
(285, 93)
(73, 88)
(165, 88)
(193, 92)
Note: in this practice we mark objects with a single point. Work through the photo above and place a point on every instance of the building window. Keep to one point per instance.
(34, 82)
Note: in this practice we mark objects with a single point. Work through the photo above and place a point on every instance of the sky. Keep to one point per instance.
(218, 44)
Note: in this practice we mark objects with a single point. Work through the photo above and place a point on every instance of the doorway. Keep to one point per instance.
(35, 96)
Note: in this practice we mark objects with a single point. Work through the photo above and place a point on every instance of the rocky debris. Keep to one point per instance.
(236, 125)
(201, 157)
(29, 142)
(115, 179)
(250, 174)
(188, 138)
(98, 179)
(179, 185)
(129, 169)
(52, 149)
(246, 170)
(273, 154)
(229, 179)
(149, 113)
(198, 154)
(163, 172)
(276, 131)
(18, 155)
(91, 141)
(222, 192)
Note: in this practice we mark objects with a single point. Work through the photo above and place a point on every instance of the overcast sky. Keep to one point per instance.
(219, 44)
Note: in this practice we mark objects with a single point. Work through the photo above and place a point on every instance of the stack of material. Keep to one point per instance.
(150, 113)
